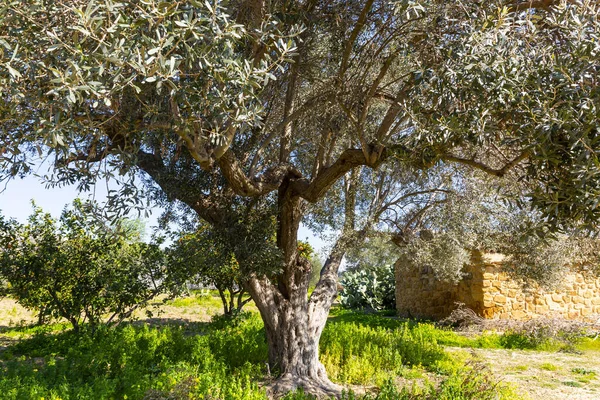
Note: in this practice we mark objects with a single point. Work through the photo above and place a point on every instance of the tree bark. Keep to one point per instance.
(293, 328)
(293, 322)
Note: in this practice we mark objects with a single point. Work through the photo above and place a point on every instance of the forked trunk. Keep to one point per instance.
(293, 329)
(293, 321)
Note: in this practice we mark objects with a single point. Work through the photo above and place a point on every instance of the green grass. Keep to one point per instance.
(198, 298)
(548, 367)
(588, 344)
(226, 359)
(21, 331)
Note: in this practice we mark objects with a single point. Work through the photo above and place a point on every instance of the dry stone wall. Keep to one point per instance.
(491, 293)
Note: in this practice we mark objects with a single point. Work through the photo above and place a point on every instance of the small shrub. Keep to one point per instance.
(583, 371)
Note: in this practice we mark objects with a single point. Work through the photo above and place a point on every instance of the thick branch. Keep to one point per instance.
(203, 205)
(521, 5)
(255, 186)
(349, 159)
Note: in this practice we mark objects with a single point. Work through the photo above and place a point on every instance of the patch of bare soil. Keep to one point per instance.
(12, 314)
(545, 375)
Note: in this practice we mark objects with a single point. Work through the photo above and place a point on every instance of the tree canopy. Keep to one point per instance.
(248, 111)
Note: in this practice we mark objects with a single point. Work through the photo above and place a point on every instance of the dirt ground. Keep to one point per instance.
(544, 375)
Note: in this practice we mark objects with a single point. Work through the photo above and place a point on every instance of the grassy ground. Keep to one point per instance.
(185, 351)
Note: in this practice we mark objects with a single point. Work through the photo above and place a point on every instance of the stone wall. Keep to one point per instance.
(491, 293)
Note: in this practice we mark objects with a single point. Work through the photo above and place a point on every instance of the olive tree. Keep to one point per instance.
(229, 107)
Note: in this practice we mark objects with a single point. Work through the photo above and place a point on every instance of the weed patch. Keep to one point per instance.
(226, 359)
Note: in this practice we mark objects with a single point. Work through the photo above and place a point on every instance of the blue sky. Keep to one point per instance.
(15, 202)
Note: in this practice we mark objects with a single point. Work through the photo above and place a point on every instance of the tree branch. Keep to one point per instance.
(522, 5)
(499, 172)
(349, 159)
(256, 186)
(362, 19)
(153, 165)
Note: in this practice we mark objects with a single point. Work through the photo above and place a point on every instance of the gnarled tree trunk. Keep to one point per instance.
(293, 327)
(293, 320)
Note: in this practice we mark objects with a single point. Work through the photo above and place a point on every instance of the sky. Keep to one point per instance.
(16, 196)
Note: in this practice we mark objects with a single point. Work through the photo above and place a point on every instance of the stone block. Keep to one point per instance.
(555, 306)
(517, 305)
(500, 299)
(577, 299)
(488, 312)
(588, 294)
(512, 293)
(488, 276)
(585, 311)
(542, 309)
(596, 301)
(559, 298)
(573, 314)
(539, 301)
(518, 314)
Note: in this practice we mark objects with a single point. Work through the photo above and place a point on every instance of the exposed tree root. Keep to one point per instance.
(322, 388)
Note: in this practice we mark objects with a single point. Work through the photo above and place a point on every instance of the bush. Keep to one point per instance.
(78, 268)
(372, 288)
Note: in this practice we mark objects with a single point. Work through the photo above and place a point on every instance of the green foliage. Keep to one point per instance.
(90, 60)
(79, 268)
(203, 257)
(226, 359)
(372, 288)
(358, 354)
(497, 71)
(374, 252)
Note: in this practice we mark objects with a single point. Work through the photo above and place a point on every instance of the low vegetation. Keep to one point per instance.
(376, 356)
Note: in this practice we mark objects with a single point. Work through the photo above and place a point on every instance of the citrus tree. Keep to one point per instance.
(79, 268)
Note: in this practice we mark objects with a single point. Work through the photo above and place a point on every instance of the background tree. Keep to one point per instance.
(233, 107)
(77, 269)
(200, 257)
